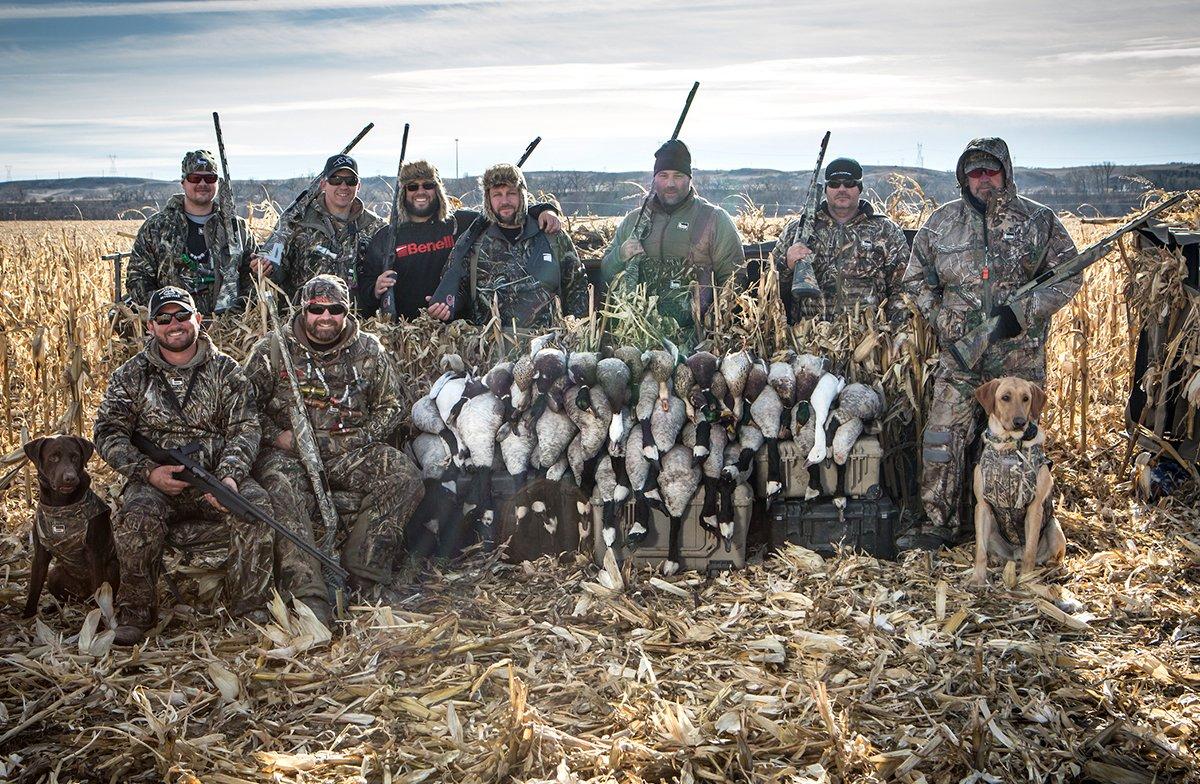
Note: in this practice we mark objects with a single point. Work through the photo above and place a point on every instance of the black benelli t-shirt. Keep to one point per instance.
(199, 262)
(420, 256)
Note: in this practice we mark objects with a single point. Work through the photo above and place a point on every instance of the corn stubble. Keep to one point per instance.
(797, 669)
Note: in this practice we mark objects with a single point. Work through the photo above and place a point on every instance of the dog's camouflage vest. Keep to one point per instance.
(63, 531)
(1009, 469)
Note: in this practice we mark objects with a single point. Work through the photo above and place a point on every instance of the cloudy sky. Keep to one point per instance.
(1066, 82)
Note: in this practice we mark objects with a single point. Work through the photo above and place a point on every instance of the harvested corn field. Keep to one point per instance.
(796, 669)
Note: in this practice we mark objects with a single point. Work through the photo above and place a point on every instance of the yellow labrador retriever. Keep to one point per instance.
(1014, 507)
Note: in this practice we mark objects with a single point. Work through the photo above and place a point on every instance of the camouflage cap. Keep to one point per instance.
(327, 287)
(978, 159)
(169, 295)
(198, 160)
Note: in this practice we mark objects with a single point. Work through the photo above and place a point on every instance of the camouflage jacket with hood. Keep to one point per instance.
(351, 389)
(208, 401)
(968, 258)
(323, 243)
(524, 276)
(695, 241)
(160, 258)
(859, 261)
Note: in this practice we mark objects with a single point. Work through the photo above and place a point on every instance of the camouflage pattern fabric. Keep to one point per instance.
(1009, 470)
(141, 527)
(150, 396)
(351, 392)
(675, 257)
(323, 243)
(63, 531)
(392, 489)
(351, 389)
(524, 277)
(208, 402)
(1015, 239)
(198, 160)
(160, 258)
(857, 262)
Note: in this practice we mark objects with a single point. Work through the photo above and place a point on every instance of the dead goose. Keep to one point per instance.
(766, 412)
(522, 388)
(591, 413)
(517, 444)
(710, 469)
(735, 368)
(861, 401)
(679, 480)
(806, 436)
(822, 400)
(604, 498)
(808, 369)
(641, 482)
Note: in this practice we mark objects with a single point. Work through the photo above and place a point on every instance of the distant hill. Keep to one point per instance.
(1103, 188)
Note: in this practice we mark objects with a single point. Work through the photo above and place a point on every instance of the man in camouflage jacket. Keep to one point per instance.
(856, 256)
(966, 260)
(681, 239)
(185, 245)
(513, 262)
(352, 396)
(330, 236)
(181, 390)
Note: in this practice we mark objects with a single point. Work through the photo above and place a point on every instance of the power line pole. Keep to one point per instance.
(920, 156)
(456, 158)
(112, 169)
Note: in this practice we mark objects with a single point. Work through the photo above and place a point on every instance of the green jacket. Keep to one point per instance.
(695, 241)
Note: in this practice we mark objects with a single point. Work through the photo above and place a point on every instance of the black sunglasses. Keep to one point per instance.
(413, 187)
(195, 178)
(318, 309)
(342, 179)
(163, 319)
(842, 184)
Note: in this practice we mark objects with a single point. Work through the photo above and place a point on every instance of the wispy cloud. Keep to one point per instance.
(168, 7)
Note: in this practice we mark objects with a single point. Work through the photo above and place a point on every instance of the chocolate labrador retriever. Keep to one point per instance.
(71, 527)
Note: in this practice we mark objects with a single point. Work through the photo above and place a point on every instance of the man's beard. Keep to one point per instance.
(672, 201)
(323, 333)
(179, 342)
(422, 212)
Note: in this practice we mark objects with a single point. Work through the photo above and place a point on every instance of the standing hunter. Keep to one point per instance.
(681, 239)
(966, 260)
(512, 262)
(857, 255)
(352, 395)
(330, 236)
(427, 230)
(185, 245)
(178, 391)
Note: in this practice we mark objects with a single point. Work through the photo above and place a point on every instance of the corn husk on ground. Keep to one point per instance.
(796, 669)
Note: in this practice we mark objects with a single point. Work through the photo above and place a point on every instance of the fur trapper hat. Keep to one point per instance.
(424, 171)
(504, 174)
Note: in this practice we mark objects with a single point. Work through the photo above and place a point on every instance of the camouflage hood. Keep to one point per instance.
(417, 171)
(995, 147)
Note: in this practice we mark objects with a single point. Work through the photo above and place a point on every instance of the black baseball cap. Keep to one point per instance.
(167, 295)
(340, 161)
(843, 169)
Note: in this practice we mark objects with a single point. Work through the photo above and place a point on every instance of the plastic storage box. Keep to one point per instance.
(861, 474)
(864, 525)
(701, 551)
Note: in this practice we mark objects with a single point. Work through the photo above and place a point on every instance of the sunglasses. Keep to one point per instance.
(320, 310)
(975, 174)
(163, 319)
(195, 178)
(342, 179)
(832, 184)
(413, 187)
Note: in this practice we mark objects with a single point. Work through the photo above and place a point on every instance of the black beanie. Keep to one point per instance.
(843, 169)
(673, 156)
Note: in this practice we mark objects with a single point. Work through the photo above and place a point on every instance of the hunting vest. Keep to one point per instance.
(1009, 471)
